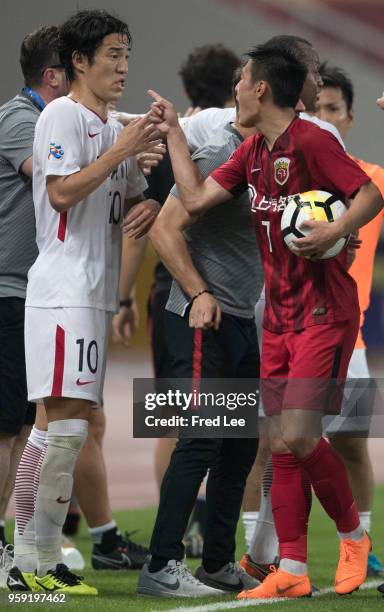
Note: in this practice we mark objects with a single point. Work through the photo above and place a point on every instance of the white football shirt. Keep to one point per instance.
(79, 250)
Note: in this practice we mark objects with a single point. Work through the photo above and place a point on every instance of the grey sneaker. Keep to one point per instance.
(232, 577)
(174, 580)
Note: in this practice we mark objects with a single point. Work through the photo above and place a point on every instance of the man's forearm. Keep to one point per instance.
(189, 181)
(365, 206)
(172, 249)
(132, 257)
(69, 190)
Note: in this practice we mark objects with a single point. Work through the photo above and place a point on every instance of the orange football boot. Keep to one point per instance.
(257, 570)
(279, 583)
(352, 569)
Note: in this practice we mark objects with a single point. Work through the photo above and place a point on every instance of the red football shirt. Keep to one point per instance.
(299, 292)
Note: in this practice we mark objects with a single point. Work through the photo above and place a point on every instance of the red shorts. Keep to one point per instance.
(306, 370)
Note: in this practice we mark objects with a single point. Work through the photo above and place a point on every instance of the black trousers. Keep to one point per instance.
(232, 351)
(15, 410)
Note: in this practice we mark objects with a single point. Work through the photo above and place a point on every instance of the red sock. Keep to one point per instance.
(307, 490)
(329, 479)
(24, 494)
(290, 507)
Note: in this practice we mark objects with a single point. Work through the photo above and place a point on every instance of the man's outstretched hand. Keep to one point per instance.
(163, 114)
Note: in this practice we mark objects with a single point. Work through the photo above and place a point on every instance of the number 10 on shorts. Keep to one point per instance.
(88, 355)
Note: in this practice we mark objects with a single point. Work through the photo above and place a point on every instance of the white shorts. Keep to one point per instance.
(66, 352)
(355, 415)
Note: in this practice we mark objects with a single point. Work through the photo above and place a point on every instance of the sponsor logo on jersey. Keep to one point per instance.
(282, 170)
(266, 202)
(55, 151)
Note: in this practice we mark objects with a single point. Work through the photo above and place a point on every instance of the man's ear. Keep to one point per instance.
(79, 61)
(260, 88)
(50, 77)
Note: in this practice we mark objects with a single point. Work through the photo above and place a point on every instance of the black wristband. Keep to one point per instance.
(127, 303)
(200, 293)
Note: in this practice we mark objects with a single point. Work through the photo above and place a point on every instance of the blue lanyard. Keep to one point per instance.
(34, 96)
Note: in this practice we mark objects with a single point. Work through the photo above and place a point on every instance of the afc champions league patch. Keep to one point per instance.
(55, 151)
(281, 166)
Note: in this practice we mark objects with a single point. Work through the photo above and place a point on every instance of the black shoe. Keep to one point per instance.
(381, 589)
(22, 582)
(118, 552)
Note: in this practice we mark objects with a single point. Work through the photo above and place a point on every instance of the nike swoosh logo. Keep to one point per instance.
(170, 586)
(345, 579)
(93, 135)
(255, 169)
(62, 501)
(55, 588)
(114, 562)
(286, 589)
(80, 383)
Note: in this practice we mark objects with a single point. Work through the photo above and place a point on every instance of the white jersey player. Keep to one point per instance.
(73, 285)
(85, 178)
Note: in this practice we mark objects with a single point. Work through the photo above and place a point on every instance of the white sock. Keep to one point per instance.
(64, 441)
(37, 437)
(293, 567)
(97, 532)
(365, 520)
(356, 534)
(264, 545)
(25, 553)
(249, 522)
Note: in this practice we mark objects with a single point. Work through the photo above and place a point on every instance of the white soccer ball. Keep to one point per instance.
(312, 206)
(72, 558)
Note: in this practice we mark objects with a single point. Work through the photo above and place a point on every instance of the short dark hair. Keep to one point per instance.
(288, 39)
(301, 46)
(38, 51)
(84, 32)
(333, 76)
(282, 68)
(207, 75)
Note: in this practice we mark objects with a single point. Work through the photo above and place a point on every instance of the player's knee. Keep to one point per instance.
(277, 445)
(59, 408)
(300, 447)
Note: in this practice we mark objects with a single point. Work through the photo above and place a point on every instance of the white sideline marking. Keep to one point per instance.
(247, 603)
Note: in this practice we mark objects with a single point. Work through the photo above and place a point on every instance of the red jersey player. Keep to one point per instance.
(312, 312)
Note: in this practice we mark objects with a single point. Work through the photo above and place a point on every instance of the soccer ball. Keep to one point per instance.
(312, 206)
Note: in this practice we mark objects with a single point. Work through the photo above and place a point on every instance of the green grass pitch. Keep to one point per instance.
(117, 588)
